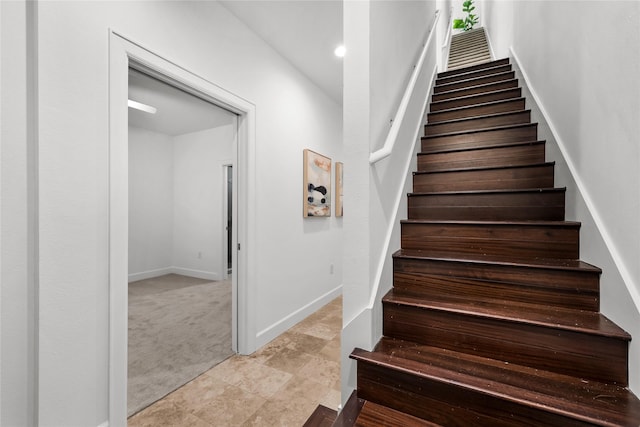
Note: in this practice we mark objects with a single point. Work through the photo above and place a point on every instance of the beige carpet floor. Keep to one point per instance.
(179, 327)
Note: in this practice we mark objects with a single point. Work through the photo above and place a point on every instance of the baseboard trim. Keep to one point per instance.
(149, 274)
(198, 274)
(263, 337)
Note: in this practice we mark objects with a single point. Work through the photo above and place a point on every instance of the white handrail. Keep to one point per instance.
(390, 142)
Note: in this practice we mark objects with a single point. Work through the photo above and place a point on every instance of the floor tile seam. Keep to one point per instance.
(257, 393)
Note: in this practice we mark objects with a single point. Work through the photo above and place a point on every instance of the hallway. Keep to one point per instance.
(279, 385)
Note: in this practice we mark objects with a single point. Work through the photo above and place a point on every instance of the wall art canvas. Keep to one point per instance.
(317, 184)
(339, 176)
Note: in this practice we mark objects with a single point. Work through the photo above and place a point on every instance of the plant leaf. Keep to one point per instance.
(458, 23)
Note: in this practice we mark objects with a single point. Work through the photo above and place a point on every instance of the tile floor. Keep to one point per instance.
(279, 385)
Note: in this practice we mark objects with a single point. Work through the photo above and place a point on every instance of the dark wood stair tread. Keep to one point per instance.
(547, 263)
(561, 319)
(494, 223)
(487, 168)
(463, 70)
(434, 116)
(471, 100)
(484, 147)
(519, 190)
(321, 417)
(482, 116)
(489, 129)
(464, 76)
(350, 411)
(474, 90)
(473, 81)
(374, 415)
(589, 401)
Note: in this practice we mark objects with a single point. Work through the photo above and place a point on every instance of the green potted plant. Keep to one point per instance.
(467, 23)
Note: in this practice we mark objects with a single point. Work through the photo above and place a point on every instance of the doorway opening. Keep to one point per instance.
(123, 55)
(179, 284)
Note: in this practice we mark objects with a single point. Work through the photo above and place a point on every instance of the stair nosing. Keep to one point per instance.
(467, 311)
(483, 147)
(496, 223)
(497, 91)
(479, 105)
(504, 191)
(386, 362)
(448, 73)
(476, 71)
(486, 168)
(474, 87)
(475, 78)
(503, 261)
(478, 117)
(489, 129)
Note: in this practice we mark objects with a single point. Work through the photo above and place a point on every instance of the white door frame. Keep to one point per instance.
(124, 53)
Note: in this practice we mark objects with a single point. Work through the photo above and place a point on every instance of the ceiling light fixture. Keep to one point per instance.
(142, 107)
(340, 51)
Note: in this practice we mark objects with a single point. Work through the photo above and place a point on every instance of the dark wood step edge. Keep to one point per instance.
(350, 412)
(490, 129)
(494, 389)
(620, 334)
(470, 68)
(480, 105)
(472, 74)
(541, 264)
(473, 95)
(480, 86)
(470, 81)
(479, 117)
(495, 223)
(483, 147)
(321, 417)
(503, 191)
(483, 169)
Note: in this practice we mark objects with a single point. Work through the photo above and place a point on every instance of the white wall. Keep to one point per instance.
(292, 271)
(175, 202)
(151, 198)
(198, 201)
(17, 210)
(385, 39)
(584, 76)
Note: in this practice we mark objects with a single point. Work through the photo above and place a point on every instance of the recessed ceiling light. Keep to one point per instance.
(142, 107)
(340, 51)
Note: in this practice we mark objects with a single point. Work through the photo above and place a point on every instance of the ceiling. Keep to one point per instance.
(305, 32)
(178, 112)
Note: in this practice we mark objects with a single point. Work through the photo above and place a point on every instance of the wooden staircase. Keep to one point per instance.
(468, 48)
(493, 320)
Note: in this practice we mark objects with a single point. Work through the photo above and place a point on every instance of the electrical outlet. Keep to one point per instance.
(199, 255)
(331, 269)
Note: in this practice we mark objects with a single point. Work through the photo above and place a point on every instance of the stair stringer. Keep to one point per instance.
(618, 299)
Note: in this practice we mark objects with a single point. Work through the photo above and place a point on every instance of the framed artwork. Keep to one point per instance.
(317, 184)
(339, 176)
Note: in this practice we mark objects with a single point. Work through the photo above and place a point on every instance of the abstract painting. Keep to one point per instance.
(317, 184)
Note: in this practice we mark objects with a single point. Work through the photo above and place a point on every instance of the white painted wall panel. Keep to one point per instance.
(198, 192)
(151, 198)
(291, 114)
